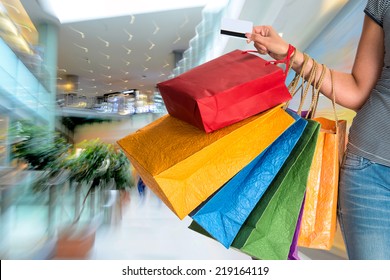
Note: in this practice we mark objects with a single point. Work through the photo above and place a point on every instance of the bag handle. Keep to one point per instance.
(304, 86)
(316, 93)
(288, 60)
(298, 76)
(305, 90)
(334, 101)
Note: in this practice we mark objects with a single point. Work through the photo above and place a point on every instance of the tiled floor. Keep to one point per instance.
(149, 230)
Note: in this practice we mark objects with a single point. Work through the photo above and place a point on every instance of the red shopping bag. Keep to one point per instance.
(225, 90)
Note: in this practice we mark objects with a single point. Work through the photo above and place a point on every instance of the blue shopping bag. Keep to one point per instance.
(223, 214)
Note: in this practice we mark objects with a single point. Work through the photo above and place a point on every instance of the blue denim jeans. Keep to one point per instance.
(364, 208)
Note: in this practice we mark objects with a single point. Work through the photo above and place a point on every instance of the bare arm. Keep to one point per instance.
(351, 89)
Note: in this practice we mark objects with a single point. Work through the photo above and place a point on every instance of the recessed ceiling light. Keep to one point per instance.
(76, 10)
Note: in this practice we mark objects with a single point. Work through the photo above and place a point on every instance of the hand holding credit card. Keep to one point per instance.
(236, 28)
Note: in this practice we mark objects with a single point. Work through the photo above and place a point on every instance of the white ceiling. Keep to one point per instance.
(114, 54)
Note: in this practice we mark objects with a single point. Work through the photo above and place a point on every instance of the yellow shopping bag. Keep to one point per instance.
(184, 166)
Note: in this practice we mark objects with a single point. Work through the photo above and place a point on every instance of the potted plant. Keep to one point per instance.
(43, 152)
(37, 146)
(119, 193)
(98, 167)
(94, 165)
(40, 153)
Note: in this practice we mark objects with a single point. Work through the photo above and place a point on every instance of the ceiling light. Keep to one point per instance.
(132, 19)
(130, 36)
(152, 45)
(106, 55)
(127, 49)
(127, 62)
(148, 57)
(177, 39)
(104, 41)
(76, 10)
(156, 28)
(185, 22)
(81, 47)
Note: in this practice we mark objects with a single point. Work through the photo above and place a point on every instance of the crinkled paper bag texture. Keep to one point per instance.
(293, 254)
(224, 213)
(269, 229)
(319, 218)
(225, 90)
(184, 166)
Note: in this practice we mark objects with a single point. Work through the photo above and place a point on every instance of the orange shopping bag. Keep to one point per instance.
(318, 225)
(319, 218)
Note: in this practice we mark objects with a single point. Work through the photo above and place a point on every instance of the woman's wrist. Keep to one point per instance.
(298, 61)
(304, 66)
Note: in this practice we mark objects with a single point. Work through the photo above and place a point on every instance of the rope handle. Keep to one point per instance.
(334, 101)
(298, 76)
(305, 90)
(292, 87)
(316, 92)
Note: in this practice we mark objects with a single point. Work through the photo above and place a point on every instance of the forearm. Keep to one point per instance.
(351, 89)
(346, 88)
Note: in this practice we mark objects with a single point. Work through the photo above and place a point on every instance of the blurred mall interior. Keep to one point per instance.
(80, 75)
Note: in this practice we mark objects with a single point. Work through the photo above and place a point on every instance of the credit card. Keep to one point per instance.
(236, 28)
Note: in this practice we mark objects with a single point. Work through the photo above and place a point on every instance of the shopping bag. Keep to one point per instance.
(184, 166)
(268, 232)
(293, 254)
(224, 213)
(319, 219)
(225, 90)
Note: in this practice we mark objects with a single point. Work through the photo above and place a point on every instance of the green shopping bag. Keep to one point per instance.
(268, 231)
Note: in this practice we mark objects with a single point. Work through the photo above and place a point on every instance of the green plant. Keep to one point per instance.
(97, 165)
(39, 147)
(91, 164)
(42, 150)
(120, 170)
